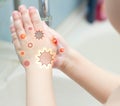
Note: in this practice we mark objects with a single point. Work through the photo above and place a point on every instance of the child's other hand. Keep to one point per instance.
(64, 52)
(31, 39)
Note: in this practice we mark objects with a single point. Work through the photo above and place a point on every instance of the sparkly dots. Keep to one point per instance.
(54, 40)
(61, 50)
(30, 45)
(22, 53)
(26, 63)
(22, 36)
(39, 34)
(30, 28)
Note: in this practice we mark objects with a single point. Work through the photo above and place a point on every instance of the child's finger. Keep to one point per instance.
(18, 26)
(15, 38)
(35, 18)
(26, 19)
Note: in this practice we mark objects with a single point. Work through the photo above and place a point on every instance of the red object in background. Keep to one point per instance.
(100, 11)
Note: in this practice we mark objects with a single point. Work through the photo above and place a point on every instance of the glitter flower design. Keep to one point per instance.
(46, 57)
(39, 34)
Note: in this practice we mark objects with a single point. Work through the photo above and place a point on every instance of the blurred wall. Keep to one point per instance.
(59, 10)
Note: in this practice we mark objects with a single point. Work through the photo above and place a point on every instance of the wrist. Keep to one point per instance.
(38, 67)
(68, 60)
(42, 60)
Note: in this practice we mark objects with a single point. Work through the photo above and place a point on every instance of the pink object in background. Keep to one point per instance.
(100, 11)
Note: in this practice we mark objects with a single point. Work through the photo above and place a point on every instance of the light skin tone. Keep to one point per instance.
(36, 54)
(96, 81)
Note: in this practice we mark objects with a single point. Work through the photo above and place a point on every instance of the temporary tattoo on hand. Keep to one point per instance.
(46, 57)
(39, 35)
(61, 50)
(30, 28)
(54, 40)
(30, 45)
(22, 53)
(22, 36)
(26, 63)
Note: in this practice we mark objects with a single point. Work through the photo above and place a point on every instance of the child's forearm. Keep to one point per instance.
(95, 80)
(39, 87)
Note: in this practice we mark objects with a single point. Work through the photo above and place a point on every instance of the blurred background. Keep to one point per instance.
(58, 11)
(84, 26)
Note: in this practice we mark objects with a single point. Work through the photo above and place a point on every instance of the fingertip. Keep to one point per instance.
(21, 7)
(31, 9)
(15, 14)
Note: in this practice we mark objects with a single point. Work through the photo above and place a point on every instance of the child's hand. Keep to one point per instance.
(31, 39)
(64, 52)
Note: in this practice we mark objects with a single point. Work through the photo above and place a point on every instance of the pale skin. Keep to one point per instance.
(35, 54)
(98, 82)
